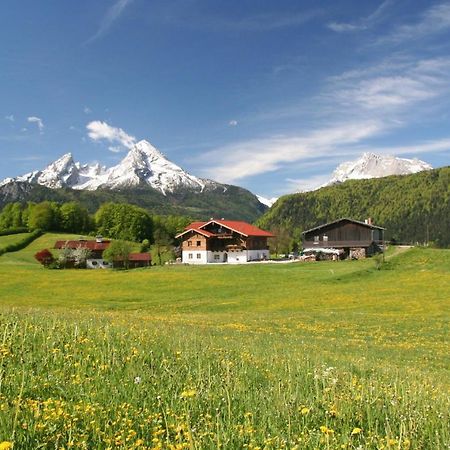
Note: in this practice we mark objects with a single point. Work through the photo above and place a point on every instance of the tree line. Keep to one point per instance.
(413, 208)
(120, 221)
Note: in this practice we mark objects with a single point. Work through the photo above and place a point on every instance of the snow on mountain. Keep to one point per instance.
(370, 165)
(266, 201)
(143, 165)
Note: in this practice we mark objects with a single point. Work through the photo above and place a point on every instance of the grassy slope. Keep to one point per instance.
(336, 297)
(255, 338)
(12, 239)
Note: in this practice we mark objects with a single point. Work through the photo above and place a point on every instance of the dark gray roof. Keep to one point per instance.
(342, 220)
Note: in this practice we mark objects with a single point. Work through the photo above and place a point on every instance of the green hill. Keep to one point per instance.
(412, 208)
(227, 201)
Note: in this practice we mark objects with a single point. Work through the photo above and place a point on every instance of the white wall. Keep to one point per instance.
(257, 255)
(194, 259)
(237, 257)
(207, 256)
(97, 264)
(212, 255)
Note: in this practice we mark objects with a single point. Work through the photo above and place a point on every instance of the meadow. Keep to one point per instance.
(12, 239)
(329, 355)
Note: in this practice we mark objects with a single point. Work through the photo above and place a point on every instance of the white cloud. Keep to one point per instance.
(434, 20)
(113, 13)
(10, 118)
(387, 89)
(361, 24)
(270, 154)
(232, 123)
(355, 107)
(99, 130)
(38, 121)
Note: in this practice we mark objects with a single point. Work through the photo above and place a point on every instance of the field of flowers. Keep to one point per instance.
(335, 356)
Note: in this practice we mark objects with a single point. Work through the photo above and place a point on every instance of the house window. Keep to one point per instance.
(216, 257)
(316, 239)
(199, 243)
(190, 255)
(94, 263)
(189, 243)
(325, 238)
(199, 256)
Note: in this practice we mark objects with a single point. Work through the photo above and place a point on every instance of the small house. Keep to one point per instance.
(346, 237)
(97, 247)
(223, 241)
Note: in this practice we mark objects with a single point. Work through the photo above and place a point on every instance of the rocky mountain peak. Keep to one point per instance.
(372, 165)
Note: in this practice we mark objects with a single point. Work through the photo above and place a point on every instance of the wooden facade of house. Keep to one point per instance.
(223, 241)
(345, 234)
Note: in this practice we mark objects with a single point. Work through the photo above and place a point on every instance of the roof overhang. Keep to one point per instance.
(342, 220)
(195, 230)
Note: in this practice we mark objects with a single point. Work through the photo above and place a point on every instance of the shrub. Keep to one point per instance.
(45, 257)
(13, 231)
(21, 244)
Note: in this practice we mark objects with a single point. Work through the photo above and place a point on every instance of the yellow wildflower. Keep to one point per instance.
(356, 430)
(5, 445)
(189, 393)
(325, 430)
(304, 411)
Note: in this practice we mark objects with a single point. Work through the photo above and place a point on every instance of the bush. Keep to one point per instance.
(45, 257)
(21, 244)
(13, 231)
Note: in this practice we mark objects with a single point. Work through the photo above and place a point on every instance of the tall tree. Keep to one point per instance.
(124, 221)
(44, 216)
(75, 218)
(118, 251)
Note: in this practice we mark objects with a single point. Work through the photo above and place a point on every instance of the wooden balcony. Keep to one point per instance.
(340, 244)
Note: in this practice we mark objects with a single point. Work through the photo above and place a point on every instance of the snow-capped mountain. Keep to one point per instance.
(143, 165)
(370, 165)
(267, 201)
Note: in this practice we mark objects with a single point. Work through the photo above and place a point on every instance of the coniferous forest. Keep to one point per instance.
(413, 208)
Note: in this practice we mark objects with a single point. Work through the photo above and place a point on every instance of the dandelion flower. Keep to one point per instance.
(189, 393)
(356, 431)
(5, 445)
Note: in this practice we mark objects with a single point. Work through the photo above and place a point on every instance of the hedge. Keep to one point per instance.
(21, 244)
(14, 231)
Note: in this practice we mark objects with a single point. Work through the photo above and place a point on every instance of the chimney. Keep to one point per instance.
(369, 220)
(99, 239)
(366, 221)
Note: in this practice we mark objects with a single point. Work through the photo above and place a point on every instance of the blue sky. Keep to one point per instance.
(269, 95)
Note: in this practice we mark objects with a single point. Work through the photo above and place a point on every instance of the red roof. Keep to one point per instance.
(139, 257)
(91, 245)
(240, 227)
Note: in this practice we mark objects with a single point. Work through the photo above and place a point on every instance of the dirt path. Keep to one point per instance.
(399, 249)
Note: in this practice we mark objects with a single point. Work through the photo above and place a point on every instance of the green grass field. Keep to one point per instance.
(11, 239)
(323, 355)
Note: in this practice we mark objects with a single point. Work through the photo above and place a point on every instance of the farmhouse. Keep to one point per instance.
(223, 241)
(344, 238)
(97, 247)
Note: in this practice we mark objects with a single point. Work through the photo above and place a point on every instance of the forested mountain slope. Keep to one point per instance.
(412, 208)
(227, 201)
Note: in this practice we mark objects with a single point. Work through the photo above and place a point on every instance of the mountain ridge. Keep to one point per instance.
(144, 164)
(413, 208)
(371, 165)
